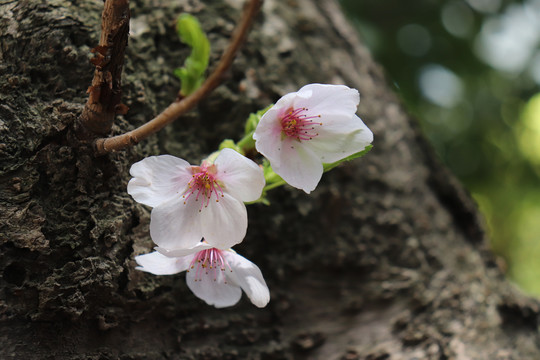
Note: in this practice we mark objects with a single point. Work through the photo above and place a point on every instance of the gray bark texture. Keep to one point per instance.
(387, 259)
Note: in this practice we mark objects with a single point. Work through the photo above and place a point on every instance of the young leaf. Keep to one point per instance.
(191, 75)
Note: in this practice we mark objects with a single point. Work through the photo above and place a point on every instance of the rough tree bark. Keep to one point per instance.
(386, 260)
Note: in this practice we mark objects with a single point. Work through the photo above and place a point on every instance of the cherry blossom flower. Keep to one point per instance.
(192, 202)
(310, 127)
(213, 275)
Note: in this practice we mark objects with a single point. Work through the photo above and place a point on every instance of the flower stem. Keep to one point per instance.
(274, 185)
(247, 143)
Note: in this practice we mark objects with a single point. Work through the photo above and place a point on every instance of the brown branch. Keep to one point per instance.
(173, 111)
(104, 95)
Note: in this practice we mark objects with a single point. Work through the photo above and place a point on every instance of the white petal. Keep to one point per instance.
(300, 166)
(340, 138)
(175, 225)
(243, 178)
(267, 136)
(213, 288)
(284, 103)
(183, 252)
(158, 264)
(224, 223)
(248, 276)
(157, 179)
(321, 99)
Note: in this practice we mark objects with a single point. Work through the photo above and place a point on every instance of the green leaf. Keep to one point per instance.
(191, 75)
(254, 118)
(230, 144)
(328, 167)
(247, 143)
(270, 175)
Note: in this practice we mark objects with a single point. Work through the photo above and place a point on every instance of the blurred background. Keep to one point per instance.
(469, 70)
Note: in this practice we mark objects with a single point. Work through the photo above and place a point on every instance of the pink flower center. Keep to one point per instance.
(203, 184)
(295, 123)
(209, 262)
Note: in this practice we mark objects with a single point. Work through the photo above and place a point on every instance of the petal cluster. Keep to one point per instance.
(198, 211)
(194, 202)
(213, 275)
(307, 128)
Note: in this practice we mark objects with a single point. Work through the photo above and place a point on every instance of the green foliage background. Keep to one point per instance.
(469, 70)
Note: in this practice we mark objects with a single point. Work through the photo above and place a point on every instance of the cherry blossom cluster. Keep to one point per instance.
(199, 213)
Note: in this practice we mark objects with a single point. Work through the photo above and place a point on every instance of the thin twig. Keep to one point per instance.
(104, 95)
(173, 111)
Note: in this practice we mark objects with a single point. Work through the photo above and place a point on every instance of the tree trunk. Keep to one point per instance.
(387, 259)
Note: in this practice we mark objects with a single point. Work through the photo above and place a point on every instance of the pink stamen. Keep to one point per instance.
(209, 262)
(203, 184)
(296, 124)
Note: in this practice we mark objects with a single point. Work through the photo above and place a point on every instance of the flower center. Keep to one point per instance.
(209, 262)
(295, 123)
(203, 184)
